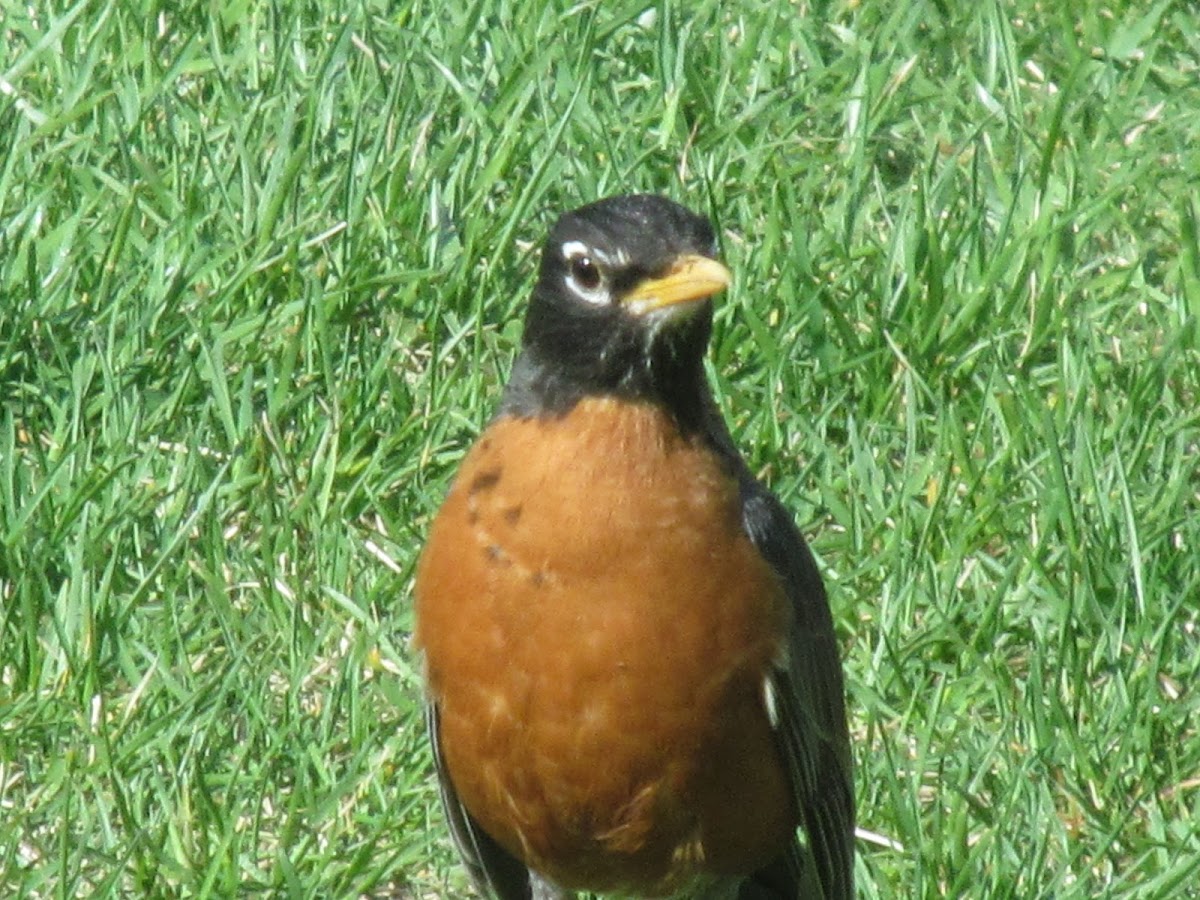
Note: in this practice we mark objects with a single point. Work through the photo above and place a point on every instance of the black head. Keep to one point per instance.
(622, 307)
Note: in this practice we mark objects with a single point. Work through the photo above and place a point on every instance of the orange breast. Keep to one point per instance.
(596, 630)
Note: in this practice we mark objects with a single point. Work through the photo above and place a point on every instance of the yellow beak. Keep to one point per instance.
(689, 278)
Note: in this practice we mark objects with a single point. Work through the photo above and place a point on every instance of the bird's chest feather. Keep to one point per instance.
(608, 627)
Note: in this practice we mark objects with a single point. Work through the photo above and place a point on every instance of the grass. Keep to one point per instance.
(261, 276)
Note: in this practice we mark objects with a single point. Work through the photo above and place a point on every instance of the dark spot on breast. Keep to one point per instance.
(484, 480)
(512, 515)
(537, 579)
(496, 555)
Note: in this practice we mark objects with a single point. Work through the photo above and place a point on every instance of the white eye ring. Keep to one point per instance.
(585, 275)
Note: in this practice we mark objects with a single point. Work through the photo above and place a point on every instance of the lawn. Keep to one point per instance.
(262, 270)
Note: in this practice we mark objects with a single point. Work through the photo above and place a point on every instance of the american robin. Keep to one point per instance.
(633, 680)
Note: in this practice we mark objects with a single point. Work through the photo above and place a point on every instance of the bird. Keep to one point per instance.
(632, 677)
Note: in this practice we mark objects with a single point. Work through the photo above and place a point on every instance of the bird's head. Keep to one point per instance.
(622, 306)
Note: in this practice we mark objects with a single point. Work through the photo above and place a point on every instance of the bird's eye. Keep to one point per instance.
(585, 272)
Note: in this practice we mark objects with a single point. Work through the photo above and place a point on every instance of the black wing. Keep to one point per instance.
(809, 704)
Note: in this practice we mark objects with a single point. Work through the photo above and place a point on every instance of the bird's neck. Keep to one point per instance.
(538, 388)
